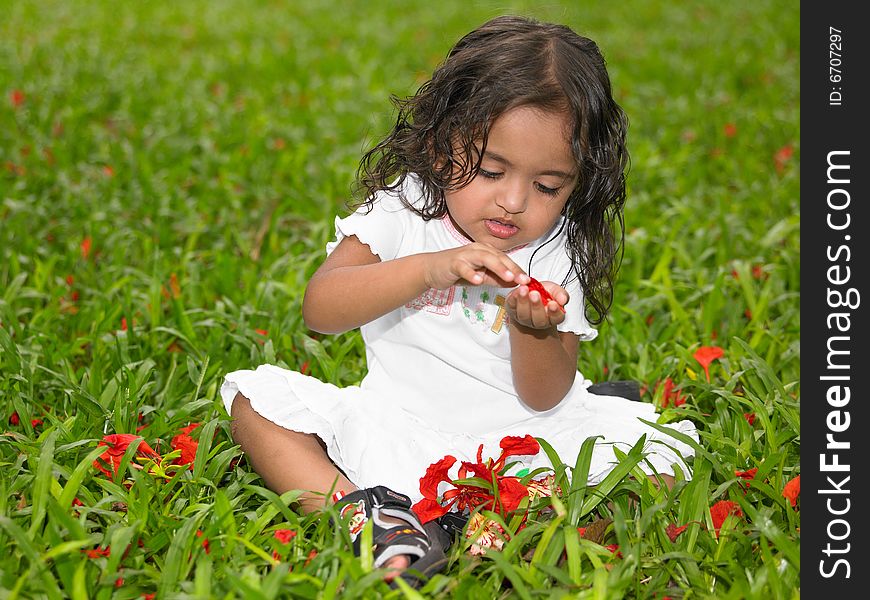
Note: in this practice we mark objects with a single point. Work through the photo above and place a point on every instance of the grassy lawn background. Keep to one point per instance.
(168, 177)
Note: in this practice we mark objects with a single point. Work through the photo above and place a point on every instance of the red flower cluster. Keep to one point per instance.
(117, 444)
(508, 488)
(109, 461)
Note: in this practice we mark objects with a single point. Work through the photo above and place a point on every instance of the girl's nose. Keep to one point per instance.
(513, 198)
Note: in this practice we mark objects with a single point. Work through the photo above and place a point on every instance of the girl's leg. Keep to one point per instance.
(289, 460)
(286, 460)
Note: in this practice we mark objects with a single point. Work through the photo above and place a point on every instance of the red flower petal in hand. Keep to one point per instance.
(720, 511)
(706, 355)
(117, 444)
(792, 490)
(536, 286)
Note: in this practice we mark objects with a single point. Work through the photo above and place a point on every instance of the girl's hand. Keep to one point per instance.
(472, 264)
(524, 306)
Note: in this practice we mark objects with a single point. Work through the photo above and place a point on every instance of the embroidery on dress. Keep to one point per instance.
(485, 312)
(434, 301)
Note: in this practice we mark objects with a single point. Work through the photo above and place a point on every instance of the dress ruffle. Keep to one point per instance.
(375, 441)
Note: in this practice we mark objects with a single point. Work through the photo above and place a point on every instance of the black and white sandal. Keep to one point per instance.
(389, 538)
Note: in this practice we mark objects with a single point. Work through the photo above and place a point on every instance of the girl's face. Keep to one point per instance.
(525, 178)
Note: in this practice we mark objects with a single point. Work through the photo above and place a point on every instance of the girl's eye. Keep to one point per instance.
(547, 190)
(489, 174)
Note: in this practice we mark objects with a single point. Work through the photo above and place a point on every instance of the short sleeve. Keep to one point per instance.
(380, 226)
(575, 314)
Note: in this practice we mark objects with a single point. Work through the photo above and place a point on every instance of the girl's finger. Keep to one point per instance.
(539, 313)
(500, 264)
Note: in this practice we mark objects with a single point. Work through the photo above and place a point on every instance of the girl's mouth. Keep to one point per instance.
(499, 229)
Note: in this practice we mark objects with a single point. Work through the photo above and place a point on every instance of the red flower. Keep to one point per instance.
(435, 474)
(535, 286)
(123, 323)
(174, 286)
(119, 582)
(509, 489)
(205, 544)
(284, 535)
(76, 502)
(117, 444)
(16, 97)
(86, 247)
(276, 556)
(747, 475)
(517, 446)
(674, 532)
(668, 394)
(615, 549)
(750, 417)
(148, 596)
(781, 157)
(707, 354)
(720, 511)
(70, 280)
(108, 171)
(35, 423)
(792, 490)
(186, 444)
(730, 129)
(14, 419)
(98, 552)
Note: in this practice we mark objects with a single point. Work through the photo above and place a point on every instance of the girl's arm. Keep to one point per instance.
(543, 359)
(544, 364)
(353, 286)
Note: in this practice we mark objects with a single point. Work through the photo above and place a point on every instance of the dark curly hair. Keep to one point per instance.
(441, 132)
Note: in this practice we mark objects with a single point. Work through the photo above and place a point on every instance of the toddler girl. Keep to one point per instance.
(508, 164)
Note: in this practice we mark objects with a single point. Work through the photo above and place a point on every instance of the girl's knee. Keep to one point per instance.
(240, 413)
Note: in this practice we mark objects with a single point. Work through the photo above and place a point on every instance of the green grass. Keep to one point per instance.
(204, 147)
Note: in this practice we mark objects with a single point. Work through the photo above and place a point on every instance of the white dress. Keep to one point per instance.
(439, 376)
